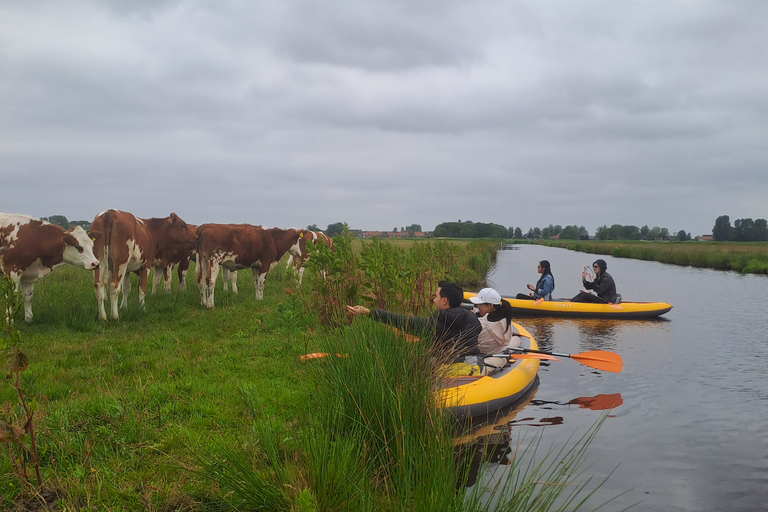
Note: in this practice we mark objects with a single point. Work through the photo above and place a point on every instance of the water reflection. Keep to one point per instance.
(490, 439)
(595, 403)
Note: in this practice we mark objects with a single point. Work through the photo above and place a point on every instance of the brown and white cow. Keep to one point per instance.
(175, 254)
(306, 241)
(31, 248)
(239, 246)
(123, 244)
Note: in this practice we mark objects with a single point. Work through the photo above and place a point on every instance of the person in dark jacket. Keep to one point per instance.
(603, 285)
(455, 328)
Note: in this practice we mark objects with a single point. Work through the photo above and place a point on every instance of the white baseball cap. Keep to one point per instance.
(486, 296)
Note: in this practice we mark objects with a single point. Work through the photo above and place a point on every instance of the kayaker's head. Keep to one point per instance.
(599, 266)
(449, 295)
(486, 300)
(544, 267)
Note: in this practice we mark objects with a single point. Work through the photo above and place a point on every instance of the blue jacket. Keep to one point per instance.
(544, 287)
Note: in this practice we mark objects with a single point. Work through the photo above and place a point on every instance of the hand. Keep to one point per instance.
(358, 310)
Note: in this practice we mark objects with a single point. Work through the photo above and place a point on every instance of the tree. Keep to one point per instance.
(336, 229)
(59, 220)
(682, 236)
(743, 230)
(722, 230)
(313, 227)
(761, 230)
(86, 225)
(413, 228)
(518, 233)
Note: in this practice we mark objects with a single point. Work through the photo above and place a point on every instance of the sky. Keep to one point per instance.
(383, 114)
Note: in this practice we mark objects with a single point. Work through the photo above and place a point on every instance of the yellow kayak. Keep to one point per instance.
(566, 308)
(475, 395)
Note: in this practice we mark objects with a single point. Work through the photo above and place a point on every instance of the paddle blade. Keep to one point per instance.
(538, 301)
(600, 359)
(318, 355)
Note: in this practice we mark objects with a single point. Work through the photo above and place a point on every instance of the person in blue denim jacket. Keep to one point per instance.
(544, 286)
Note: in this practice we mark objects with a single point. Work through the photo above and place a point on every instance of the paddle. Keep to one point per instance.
(598, 359)
(542, 356)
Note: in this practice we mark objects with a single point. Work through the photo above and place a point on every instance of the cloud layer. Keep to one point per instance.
(385, 114)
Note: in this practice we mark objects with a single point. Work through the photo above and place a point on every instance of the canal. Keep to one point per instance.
(688, 423)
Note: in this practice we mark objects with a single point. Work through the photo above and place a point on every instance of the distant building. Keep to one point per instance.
(707, 238)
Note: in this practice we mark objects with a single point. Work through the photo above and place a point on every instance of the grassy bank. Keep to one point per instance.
(182, 408)
(747, 258)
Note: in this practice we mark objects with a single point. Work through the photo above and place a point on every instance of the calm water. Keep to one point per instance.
(689, 431)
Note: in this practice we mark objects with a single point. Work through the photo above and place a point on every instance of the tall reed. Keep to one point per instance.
(374, 439)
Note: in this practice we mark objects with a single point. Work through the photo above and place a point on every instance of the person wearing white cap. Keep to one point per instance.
(496, 320)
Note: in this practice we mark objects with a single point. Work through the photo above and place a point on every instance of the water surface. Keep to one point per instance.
(690, 431)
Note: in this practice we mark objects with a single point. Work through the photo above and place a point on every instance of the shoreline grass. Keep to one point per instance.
(744, 257)
(129, 413)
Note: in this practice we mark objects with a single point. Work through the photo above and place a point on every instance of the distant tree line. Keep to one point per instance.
(61, 220)
(743, 230)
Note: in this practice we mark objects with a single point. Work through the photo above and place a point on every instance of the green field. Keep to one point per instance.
(182, 408)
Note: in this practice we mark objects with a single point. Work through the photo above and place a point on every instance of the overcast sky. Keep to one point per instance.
(384, 114)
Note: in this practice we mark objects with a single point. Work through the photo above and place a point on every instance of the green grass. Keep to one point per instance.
(182, 408)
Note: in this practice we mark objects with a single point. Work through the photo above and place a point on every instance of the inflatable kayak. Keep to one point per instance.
(566, 308)
(475, 395)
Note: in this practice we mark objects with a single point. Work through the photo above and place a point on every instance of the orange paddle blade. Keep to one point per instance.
(600, 359)
(318, 355)
(408, 337)
(538, 301)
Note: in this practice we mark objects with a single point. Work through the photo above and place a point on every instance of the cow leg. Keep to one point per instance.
(259, 278)
(143, 275)
(168, 275)
(181, 270)
(155, 278)
(203, 273)
(214, 273)
(233, 281)
(27, 289)
(225, 278)
(126, 290)
(114, 295)
(300, 274)
(99, 290)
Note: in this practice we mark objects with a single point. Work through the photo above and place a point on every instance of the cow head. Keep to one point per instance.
(78, 249)
(179, 232)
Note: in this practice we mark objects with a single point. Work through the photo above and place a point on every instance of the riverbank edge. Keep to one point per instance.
(743, 257)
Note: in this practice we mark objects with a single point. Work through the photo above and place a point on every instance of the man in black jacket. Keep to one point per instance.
(455, 328)
(603, 285)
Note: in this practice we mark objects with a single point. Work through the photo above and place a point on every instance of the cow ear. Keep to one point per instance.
(174, 218)
(69, 240)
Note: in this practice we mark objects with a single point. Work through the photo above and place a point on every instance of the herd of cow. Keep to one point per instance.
(119, 243)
